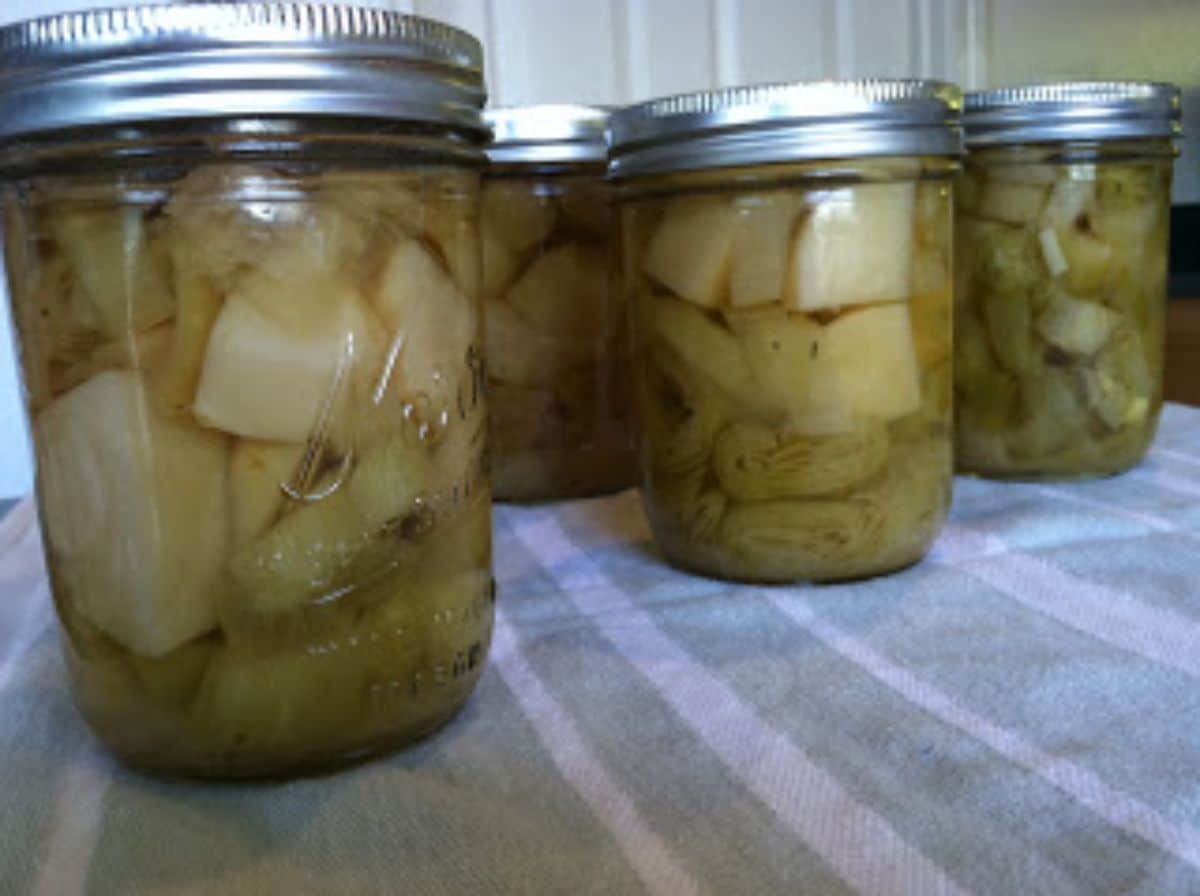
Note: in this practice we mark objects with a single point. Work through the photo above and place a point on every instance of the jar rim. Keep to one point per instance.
(1067, 111)
(144, 64)
(795, 121)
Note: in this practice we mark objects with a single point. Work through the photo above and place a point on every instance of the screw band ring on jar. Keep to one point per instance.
(106, 68)
(1081, 110)
(786, 122)
(547, 134)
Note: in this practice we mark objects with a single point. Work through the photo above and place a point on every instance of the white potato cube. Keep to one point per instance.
(854, 248)
(690, 250)
(876, 361)
(1077, 326)
(762, 240)
(430, 322)
(134, 506)
(268, 376)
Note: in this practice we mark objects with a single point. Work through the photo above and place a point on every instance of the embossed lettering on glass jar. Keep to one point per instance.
(787, 253)
(1062, 223)
(246, 287)
(557, 349)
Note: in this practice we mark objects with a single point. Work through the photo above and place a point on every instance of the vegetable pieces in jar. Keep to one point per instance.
(257, 405)
(1060, 315)
(792, 367)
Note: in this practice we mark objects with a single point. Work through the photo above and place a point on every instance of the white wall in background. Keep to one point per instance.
(620, 51)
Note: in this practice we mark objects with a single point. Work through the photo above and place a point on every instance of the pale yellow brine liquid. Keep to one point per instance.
(257, 404)
(1060, 312)
(557, 349)
(792, 342)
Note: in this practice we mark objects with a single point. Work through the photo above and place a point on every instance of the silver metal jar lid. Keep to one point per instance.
(142, 64)
(547, 134)
(786, 122)
(1080, 110)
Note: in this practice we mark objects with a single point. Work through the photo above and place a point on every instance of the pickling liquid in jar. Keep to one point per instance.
(1062, 291)
(256, 389)
(792, 362)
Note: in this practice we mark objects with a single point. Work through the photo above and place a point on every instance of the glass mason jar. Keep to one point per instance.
(787, 252)
(252, 359)
(556, 338)
(1062, 218)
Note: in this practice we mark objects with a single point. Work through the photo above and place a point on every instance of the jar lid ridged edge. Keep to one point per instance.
(144, 64)
(848, 96)
(789, 121)
(99, 29)
(1072, 110)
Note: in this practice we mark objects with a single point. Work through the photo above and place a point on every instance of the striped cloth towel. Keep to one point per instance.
(1019, 714)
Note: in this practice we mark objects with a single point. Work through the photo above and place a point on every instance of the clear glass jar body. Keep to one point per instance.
(256, 396)
(556, 347)
(792, 345)
(1060, 307)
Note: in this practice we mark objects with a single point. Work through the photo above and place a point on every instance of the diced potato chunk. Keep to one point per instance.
(854, 248)
(123, 278)
(431, 323)
(565, 294)
(862, 365)
(269, 377)
(762, 237)
(790, 360)
(1119, 384)
(873, 352)
(1011, 203)
(134, 508)
(1068, 200)
(1077, 326)
(1087, 260)
(691, 249)
(455, 233)
(258, 472)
